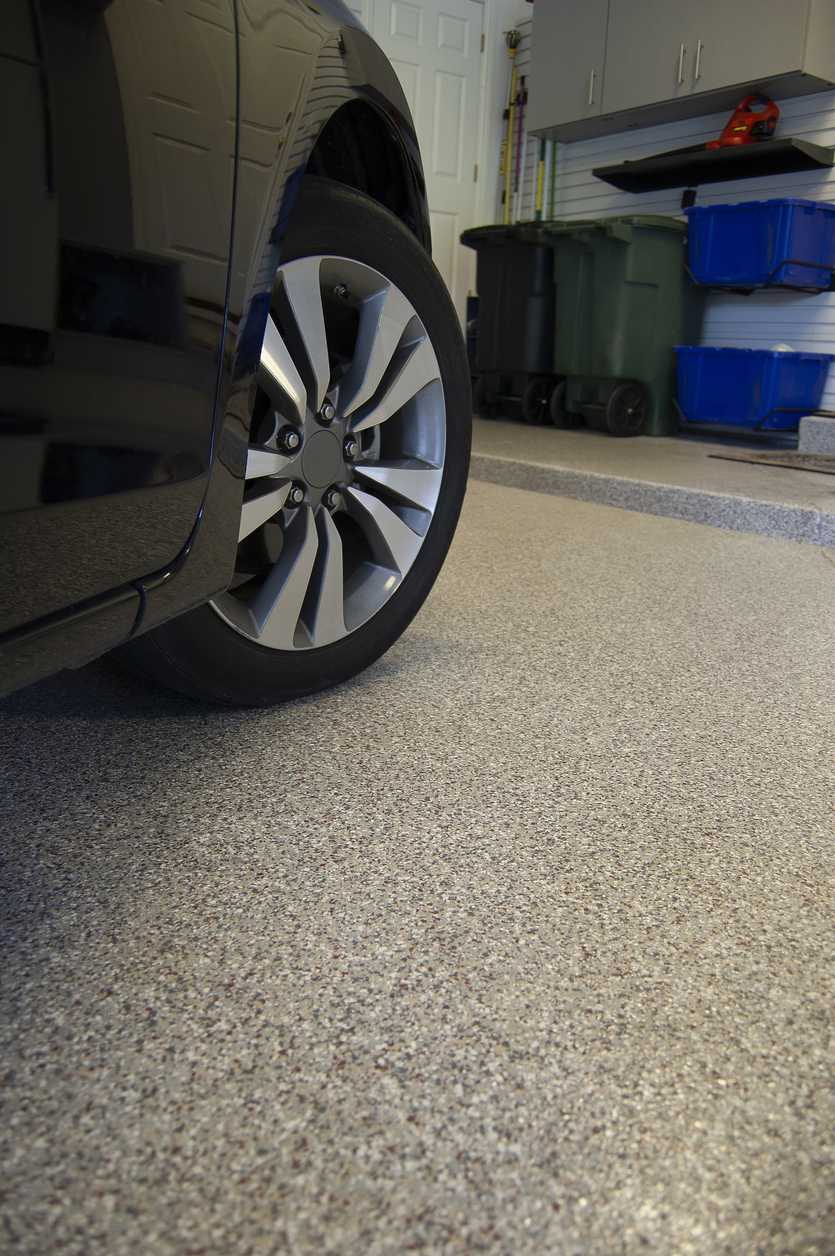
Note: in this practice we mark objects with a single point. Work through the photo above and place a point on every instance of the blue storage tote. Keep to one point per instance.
(759, 243)
(742, 387)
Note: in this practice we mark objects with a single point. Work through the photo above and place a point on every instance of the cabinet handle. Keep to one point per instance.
(591, 88)
(681, 53)
(698, 59)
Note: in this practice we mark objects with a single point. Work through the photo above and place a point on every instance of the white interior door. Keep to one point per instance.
(435, 48)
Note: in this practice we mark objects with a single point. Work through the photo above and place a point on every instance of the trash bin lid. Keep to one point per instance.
(539, 231)
(656, 222)
(501, 233)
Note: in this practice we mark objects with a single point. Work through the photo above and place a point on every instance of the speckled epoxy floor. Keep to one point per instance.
(521, 943)
(675, 476)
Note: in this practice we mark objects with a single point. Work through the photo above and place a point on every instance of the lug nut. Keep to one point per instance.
(326, 414)
(332, 498)
(351, 447)
(296, 496)
(288, 439)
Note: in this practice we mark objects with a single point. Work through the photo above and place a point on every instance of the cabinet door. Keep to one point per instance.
(649, 53)
(568, 48)
(740, 44)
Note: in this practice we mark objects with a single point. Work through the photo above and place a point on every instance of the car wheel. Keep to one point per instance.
(356, 467)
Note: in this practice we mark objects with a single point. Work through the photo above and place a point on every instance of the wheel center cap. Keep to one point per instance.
(321, 459)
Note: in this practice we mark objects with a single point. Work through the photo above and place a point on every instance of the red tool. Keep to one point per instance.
(747, 125)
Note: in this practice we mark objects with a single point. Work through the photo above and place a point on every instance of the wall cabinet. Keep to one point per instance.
(739, 44)
(648, 54)
(575, 35)
(610, 65)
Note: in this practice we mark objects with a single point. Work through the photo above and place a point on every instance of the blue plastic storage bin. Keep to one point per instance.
(749, 387)
(761, 243)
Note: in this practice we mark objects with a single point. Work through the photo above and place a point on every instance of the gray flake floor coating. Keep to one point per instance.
(520, 943)
(659, 475)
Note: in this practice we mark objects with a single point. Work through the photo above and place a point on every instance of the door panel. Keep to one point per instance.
(406, 22)
(448, 124)
(568, 52)
(409, 76)
(110, 340)
(644, 52)
(362, 10)
(435, 48)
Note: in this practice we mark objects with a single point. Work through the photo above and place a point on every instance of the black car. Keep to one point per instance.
(234, 400)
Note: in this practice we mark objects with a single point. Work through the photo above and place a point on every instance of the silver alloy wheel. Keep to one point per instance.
(331, 523)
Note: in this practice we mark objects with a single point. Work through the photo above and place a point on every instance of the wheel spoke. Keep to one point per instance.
(419, 369)
(393, 544)
(301, 285)
(260, 509)
(280, 369)
(383, 320)
(261, 462)
(329, 617)
(419, 486)
(277, 607)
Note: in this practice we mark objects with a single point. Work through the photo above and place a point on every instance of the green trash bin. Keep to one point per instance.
(623, 301)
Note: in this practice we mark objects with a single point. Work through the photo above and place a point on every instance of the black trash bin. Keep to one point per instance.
(515, 339)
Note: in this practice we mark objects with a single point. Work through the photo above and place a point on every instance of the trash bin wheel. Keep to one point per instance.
(485, 403)
(627, 410)
(560, 417)
(535, 399)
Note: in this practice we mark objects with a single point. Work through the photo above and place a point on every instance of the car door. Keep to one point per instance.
(117, 146)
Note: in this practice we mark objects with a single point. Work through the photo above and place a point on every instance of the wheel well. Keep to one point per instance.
(360, 147)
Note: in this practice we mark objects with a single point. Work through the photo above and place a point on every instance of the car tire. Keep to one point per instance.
(360, 323)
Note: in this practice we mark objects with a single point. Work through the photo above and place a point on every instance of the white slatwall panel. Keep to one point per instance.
(755, 322)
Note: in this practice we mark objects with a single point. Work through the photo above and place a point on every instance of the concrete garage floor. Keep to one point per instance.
(520, 943)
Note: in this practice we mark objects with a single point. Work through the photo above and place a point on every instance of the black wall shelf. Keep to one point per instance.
(690, 167)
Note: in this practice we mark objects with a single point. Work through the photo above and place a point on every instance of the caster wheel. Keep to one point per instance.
(535, 400)
(485, 404)
(560, 417)
(627, 410)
